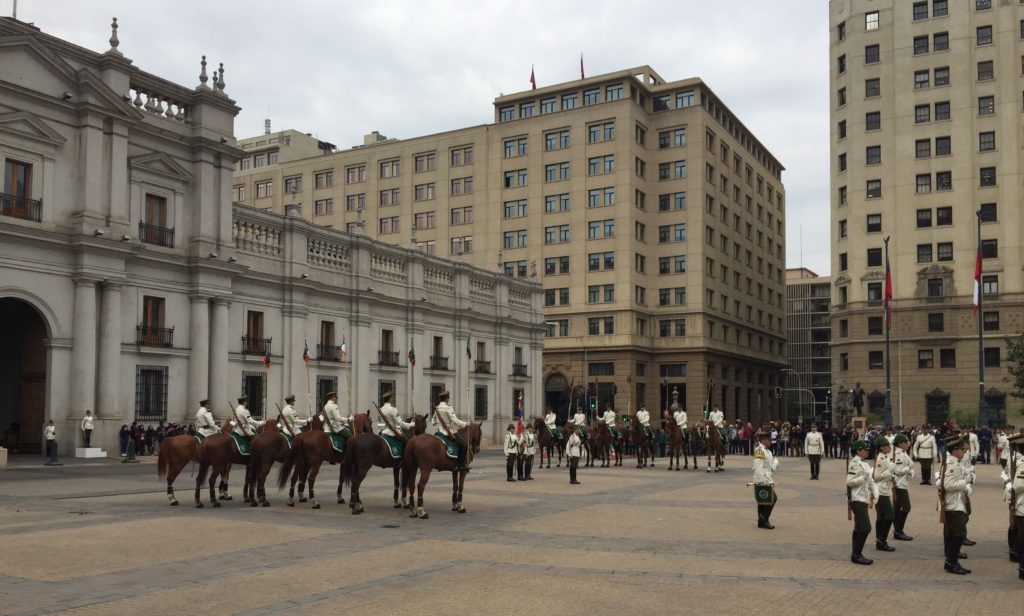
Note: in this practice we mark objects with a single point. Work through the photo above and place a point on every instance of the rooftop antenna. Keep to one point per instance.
(801, 245)
(14, 10)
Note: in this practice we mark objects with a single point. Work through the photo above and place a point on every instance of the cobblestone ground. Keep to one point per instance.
(99, 538)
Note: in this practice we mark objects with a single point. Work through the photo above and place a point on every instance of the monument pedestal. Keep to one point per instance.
(89, 452)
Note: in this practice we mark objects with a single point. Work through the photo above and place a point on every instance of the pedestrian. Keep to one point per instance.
(985, 440)
(814, 447)
(859, 489)
(903, 473)
(882, 475)
(511, 449)
(123, 437)
(572, 448)
(87, 429)
(50, 434)
(662, 440)
(764, 467)
(953, 487)
(925, 452)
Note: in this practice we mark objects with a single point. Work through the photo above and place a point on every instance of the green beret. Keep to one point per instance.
(901, 438)
(857, 445)
(881, 441)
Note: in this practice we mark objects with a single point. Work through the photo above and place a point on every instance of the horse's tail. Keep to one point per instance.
(348, 463)
(163, 461)
(408, 474)
(204, 467)
(286, 468)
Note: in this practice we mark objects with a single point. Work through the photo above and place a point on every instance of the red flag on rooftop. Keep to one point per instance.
(533, 79)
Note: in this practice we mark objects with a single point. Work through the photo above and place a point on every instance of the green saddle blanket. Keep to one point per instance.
(396, 446)
(614, 432)
(450, 446)
(199, 437)
(244, 448)
(556, 434)
(288, 438)
(648, 432)
(338, 440)
(584, 433)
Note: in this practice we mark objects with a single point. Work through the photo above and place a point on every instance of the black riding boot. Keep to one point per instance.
(462, 460)
(857, 557)
(952, 564)
(882, 536)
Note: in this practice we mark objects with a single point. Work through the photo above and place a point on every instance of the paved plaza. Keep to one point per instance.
(99, 538)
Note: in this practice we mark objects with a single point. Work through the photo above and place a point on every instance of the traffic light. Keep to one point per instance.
(778, 393)
(593, 403)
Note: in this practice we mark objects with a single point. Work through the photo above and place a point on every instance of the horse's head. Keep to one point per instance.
(419, 424)
(670, 424)
(269, 426)
(361, 423)
(473, 432)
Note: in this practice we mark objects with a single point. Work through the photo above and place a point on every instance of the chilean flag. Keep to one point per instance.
(888, 294)
(519, 415)
(533, 79)
(977, 281)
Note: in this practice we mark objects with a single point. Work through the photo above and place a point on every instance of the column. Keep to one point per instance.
(219, 394)
(83, 354)
(363, 346)
(110, 352)
(199, 358)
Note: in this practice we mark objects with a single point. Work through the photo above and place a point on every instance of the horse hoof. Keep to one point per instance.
(677, 468)
(174, 503)
(303, 500)
(253, 503)
(397, 506)
(199, 505)
(424, 516)
(316, 506)
(228, 497)
(216, 503)
(356, 511)
(266, 503)
(412, 513)
(341, 501)
(291, 504)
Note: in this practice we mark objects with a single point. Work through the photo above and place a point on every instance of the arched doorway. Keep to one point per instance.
(22, 376)
(556, 396)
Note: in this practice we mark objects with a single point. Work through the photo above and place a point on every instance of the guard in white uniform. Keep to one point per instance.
(926, 451)
(574, 449)
(445, 417)
(511, 449)
(717, 418)
(334, 421)
(883, 476)
(609, 419)
(206, 425)
(1015, 496)
(954, 490)
(291, 423)
(903, 472)
(245, 425)
(580, 421)
(529, 450)
(814, 447)
(394, 419)
(551, 421)
(860, 488)
(764, 468)
(644, 417)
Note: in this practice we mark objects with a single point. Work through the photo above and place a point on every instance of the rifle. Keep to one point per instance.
(1013, 493)
(238, 420)
(287, 422)
(386, 422)
(942, 488)
(849, 490)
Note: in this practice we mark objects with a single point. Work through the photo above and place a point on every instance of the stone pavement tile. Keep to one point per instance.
(61, 486)
(69, 553)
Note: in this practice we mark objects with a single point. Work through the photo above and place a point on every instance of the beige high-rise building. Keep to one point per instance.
(654, 219)
(925, 133)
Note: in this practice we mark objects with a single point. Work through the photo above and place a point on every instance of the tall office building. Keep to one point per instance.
(808, 380)
(652, 216)
(925, 133)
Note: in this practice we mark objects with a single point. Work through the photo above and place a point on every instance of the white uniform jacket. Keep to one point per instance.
(858, 479)
(550, 421)
(511, 445)
(50, 433)
(245, 425)
(579, 420)
(955, 484)
(681, 420)
(447, 413)
(290, 420)
(903, 471)
(205, 423)
(573, 446)
(925, 447)
(717, 417)
(391, 413)
(609, 418)
(882, 474)
(764, 466)
(333, 419)
(1017, 483)
(87, 423)
(531, 443)
(814, 444)
(644, 417)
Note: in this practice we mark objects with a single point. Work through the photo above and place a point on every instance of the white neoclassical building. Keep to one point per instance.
(131, 286)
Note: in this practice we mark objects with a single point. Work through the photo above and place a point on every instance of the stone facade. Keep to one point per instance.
(132, 287)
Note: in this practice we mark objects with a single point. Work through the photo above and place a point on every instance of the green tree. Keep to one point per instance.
(1015, 364)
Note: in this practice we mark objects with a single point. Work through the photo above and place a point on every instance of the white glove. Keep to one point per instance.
(1004, 477)
(1007, 492)
(913, 473)
(970, 489)
(938, 475)
(874, 492)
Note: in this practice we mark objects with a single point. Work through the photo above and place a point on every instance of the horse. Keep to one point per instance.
(601, 443)
(425, 453)
(713, 442)
(309, 451)
(269, 446)
(367, 450)
(676, 440)
(217, 454)
(644, 445)
(548, 442)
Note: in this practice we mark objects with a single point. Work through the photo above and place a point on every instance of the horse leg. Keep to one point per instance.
(303, 473)
(355, 503)
(252, 469)
(462, 482)
(171, 476)
(398, 505)
(200, 476)
(455, 490)
(291, 487)
(217, 471)
(262, 485)
(420, 512)
(341, 499)
(315, 468)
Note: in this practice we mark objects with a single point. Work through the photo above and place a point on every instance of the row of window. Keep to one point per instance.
(925, 359)
(590, 96)
(988, 212)
(935, 289)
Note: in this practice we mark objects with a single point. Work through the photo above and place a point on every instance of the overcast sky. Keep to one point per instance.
(340, 69)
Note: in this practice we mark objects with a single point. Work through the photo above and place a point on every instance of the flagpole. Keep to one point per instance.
(309, 386)
(887, 307)
(982, 405)
(348, 385)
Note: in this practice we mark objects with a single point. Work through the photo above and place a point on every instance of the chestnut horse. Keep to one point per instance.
(309, 451)
(713, 442)
(644, 445)
(426, 453)
(547, 442)
(676, 441)
(367, 450)
(268, 446)
(601, 443)
(217, 454)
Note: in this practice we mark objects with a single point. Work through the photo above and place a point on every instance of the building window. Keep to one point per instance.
(874, 256)
(945, 251)
(875, 361)
(506, 114)
(985, 71)
(924, 253)
(992, 358)
(941, 111)
(873, 154)
(943, 180)
(459, 156)
(323, 179)
(991, 321)
(920, 10)
(934, 288)
(987, 141)
(873, 120)
(922, 114)
(990, 285)
(984, 35)
(841, 97)
(392, 168)
(874, 291)
(923, 148)
(871, 55)
(874, 223)
(920, 44)
(323, 207)
(921, 79)
(924, 218)
(989, 249)
(943, 146)
(264, 189)
(556, 140)
(947, 358)
(843, 262)
(842, 228)
(987, 212)
(424, 220)
(151, 393)
(355, 174)
(872, 88)
(940, 41)
(871, 20)
(556, 203)
(424, 192)
(942, 76)
(986, 105)
(874, 189)
(936, 322)
(987, 176)
(388, 224)
(925, 359)
(923, 183)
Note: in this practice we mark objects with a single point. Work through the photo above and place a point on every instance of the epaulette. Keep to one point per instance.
(759, 454)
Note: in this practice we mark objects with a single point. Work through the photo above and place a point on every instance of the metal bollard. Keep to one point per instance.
(53, 461)
(131, 459)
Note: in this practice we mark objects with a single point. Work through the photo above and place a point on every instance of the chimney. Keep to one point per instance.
(374, 137)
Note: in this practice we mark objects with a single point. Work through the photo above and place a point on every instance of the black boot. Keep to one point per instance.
(462, 460)
(953, 555)
(882, 536)
(968, 542)
(762, 517)
(901, 520)
(856, 557)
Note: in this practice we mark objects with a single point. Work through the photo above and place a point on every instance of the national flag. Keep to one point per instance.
(519, 427)
(343, 349)
(305, 353)
(977, 281)
(888, 293)
(469, 354)
(533, 79)
(519, 414)
(266, 359)
(412, 356)
(582, 75)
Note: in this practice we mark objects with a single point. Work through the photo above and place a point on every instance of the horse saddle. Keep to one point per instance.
(450, 446)
(585, 433)
(338, 441)
(242, 443)
(395, 446)
(648, 432)
(287, 437)
(615, 433)
(199, 437)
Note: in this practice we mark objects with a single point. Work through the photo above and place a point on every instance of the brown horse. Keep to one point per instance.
(676, 440)
(367, 450)
(713, 443)
(426, 453)
(601, 443)
(309, 451)
(217, 454)
(175, 453)
(269, 446)
(547, 442)
(644, 445)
